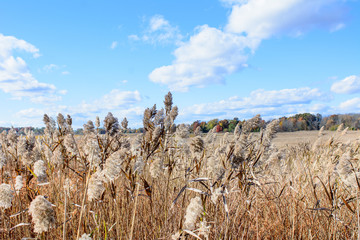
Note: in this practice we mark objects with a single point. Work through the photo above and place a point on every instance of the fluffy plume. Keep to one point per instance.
(40, 171)
(196, 145)
(159, 117)
(18, 183)
(193, 211)
(61, 121)
(85, 237)
(139, 165)
(12, 137)
(26, 147)
(174, 113)
(251, 124)
(92, 150)
(42, 214)
(6, 195)
(111, 124)
(57, 158)
(197, 131)
(97, 122)
(112, 167)
(89, 128)
(156, 168)
(124, 123)
(70, 144)
(321, 131)
(2, 159)
(168, 102)
(216, 194)
(96, 187)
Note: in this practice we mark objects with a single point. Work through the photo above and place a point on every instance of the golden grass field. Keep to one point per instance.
(284, 139)
(164, 184)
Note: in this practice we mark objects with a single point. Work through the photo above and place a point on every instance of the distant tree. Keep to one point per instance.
(232, 124)
(203, 127)
(211, 124)
(224, 124)
(331, 121)
(194, 125)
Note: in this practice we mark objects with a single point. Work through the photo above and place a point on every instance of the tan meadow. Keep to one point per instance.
(166, 184)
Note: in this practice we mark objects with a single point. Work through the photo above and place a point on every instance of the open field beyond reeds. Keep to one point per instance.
(164, 184)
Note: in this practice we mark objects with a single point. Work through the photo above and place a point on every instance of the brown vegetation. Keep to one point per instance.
(164, 185)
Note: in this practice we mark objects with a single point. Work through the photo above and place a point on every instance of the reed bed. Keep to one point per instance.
(166, 184)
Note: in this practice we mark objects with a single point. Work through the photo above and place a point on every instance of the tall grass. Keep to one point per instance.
(164, 184)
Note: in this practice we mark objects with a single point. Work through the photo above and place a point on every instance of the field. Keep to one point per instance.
(166, 184)
(284, 139)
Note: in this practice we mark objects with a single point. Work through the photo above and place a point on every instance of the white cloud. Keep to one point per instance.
(117, 99)
(230, 3)
(65, 73)
(31, 113)
(15, 77)
(114, 44)
(352, 105)
(159, 30)
(348, 85)
(263, 19)
(134, 37)
(63, 92)
(268, 103)
(207, 58)
(10, 43)
(120, 103)
(211, 54)
(50, 67)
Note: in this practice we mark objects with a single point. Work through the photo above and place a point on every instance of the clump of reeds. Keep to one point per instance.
(166, 183)
(42, 214)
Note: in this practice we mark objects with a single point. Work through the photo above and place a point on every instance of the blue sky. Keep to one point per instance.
(220, 59)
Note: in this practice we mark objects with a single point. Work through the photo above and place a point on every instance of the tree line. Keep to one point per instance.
(298, 122)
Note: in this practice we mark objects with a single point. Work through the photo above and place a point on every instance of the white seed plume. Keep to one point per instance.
(97, 122)
(321, 131)
(112, 167)
(216, 194)
(96, 187)
(2, 159)
(139, 165)
(203, 229)
(40, 171)
(193, 211)
(57, 158)
(6, 195)
(42, 214)
(340, 128)
(92, 150)
(70, 144)
(85, 237)
(156, 168)
(18, 183)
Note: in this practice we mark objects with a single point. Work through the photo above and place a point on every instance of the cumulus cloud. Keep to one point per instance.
(352, 105)
(121, 103)
(15, 77)
(114, 44)
(348, 85)
(268, 103)
(263, 19)
(50, 67)
(159, 30)
(216, 53)
(207, 58)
